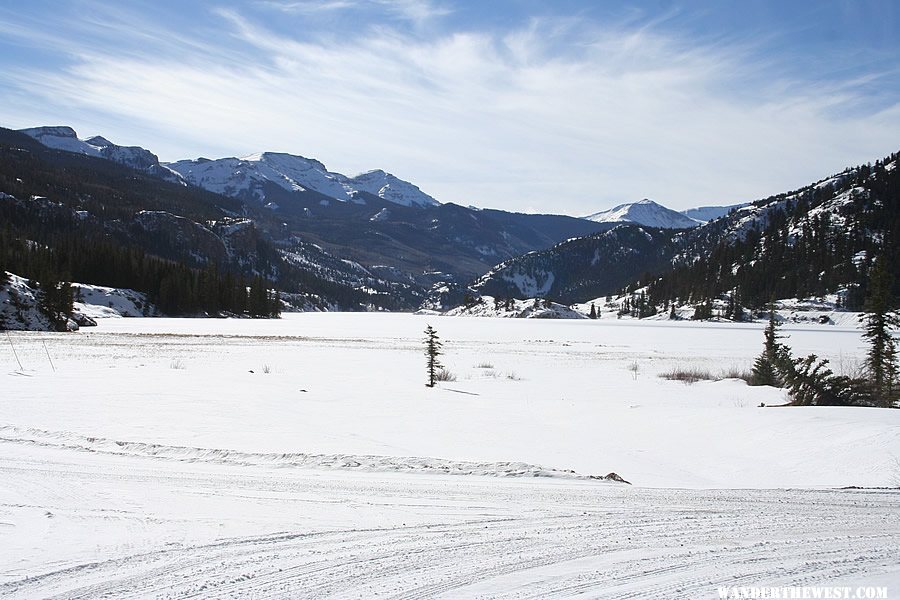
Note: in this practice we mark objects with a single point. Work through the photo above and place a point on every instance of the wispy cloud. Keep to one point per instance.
(557, 114)
(418, 12)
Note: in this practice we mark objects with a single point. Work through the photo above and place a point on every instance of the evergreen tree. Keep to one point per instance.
(275, 304)
(432, 351)
(593, 314)
(703, 311)
(878, 322)
(766, 367)
(55, 301)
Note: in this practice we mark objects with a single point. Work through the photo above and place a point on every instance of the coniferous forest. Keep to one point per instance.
(802, 251)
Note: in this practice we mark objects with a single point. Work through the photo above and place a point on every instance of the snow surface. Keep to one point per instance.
(705, 214)
(645, 212)
(304, 457)
(534, 308)
(100, 302)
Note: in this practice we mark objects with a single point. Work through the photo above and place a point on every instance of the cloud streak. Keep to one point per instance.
(555, 115)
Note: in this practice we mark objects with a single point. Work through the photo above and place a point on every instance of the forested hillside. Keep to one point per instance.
(817, 240)
(67, 217)
(821, 239)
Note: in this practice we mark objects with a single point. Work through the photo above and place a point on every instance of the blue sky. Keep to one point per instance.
(565, 106)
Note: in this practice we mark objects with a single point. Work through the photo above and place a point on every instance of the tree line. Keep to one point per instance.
(174, 288)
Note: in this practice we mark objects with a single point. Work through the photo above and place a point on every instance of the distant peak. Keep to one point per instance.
(644, 212)
(99, 140)
(50, 130)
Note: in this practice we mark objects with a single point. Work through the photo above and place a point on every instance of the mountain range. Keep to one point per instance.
(374, 240)
(263, 178)
(354, 241)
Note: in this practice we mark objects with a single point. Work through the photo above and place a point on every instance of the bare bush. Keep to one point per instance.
(484, 365)
(736, 373)
(177, 364)
(688, 375)
(635, 368)
(444, 375)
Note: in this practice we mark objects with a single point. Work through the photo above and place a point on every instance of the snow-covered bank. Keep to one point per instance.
(533, 308)
(19, 305)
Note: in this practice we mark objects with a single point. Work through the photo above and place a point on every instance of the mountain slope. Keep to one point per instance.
(644, 212)
(816, 240)
(705, 214)
(819, 239)
(582, 268)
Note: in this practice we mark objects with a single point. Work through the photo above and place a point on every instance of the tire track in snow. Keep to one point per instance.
(477, 537)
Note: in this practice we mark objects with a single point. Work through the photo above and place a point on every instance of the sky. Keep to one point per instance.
(566, 107)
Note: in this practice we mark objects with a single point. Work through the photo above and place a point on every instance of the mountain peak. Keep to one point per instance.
(61, 137)
(391, 188)
(61, 131)
(644, 212)
(98, 140)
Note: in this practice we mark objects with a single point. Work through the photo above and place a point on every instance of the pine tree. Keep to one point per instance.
(766, 366)
(432, 351)
(275, 310)
(878, 321)
(593, 314)
(55, 301)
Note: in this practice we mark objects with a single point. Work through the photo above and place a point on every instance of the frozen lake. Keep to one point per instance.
(305, 457)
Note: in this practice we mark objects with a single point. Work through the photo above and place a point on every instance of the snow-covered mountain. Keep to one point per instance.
(66, 139)
(246, 177)
(644, 212)
(705, 214)
(249, 176)
(390, 188)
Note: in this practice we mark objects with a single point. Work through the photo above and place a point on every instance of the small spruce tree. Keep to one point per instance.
(766, 367)
(593, 314)
(432, 351)
(878, 321)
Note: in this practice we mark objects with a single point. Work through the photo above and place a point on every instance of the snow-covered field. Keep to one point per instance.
(304, 457)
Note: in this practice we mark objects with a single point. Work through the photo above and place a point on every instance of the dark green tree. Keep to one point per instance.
(432, 351)
(55, 301)
(774, 355)
(593, 314)
(878, 321)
